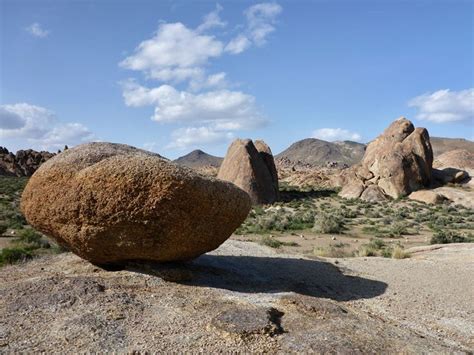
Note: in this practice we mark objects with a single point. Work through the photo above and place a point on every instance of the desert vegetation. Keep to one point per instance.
(315, 221)
(19, 241)
(340, 227)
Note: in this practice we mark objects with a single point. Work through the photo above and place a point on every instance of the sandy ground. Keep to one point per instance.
(243, 297)
(432, 292)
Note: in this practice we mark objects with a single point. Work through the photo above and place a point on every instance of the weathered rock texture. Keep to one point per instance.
(456, 166)
(252, 168)
(427, 196)
(242, 298)
(399, 161)
(23, 163)
(111, 202)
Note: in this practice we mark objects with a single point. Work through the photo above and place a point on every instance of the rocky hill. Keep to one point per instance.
(316, 152)
(23, 163)
(199, 159)
(312, 152)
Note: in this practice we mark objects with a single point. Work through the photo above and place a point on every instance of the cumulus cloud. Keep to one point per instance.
(224, 109)
(196, 136)
(40, 126)
(10, 120)
(36, 30)
(336, 134)
(174, 53)
(36, 121)
(179, 56)
(444, 106)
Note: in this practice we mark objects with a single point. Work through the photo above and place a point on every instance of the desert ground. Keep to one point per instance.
(286, 281)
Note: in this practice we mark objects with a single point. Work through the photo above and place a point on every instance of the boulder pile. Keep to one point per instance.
(252, 168)
(110, 203)
(395, 164)
(23, 163)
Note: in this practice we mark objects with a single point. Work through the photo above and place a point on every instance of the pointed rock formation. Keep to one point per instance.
(399, 161)
(252, 168)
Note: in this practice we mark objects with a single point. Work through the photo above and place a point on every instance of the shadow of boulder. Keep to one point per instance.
(252, 274)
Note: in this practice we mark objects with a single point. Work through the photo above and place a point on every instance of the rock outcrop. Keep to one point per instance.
(427, 196)
(111, 202)
(399, 161)
(23, 163)
(251, 167)
(456, 166)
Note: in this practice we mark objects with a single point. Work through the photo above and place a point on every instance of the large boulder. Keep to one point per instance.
(251, 169)
(110, 203)
(398, 162)
(455, 166)
(460, 159)
(427, 196)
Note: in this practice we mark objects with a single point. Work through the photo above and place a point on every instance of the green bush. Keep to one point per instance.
(398, 229)
(270, 242)
(14, 255)
(327, 223)
(446, 237)
(3, 228)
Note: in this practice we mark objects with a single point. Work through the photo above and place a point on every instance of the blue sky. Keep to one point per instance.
(172, 76)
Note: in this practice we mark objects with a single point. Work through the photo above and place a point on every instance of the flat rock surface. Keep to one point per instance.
(242, 297)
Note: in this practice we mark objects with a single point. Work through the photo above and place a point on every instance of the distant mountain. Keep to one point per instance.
(316, 152)
(199, 159)
(442, 145)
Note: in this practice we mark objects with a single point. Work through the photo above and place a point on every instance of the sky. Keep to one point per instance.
(173, 76)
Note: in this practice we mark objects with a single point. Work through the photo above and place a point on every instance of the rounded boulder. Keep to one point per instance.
(110, 203)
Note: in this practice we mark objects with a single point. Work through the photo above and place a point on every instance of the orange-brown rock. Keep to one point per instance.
(398, 162)
(110, 203)
(427, 196)
(252, 170)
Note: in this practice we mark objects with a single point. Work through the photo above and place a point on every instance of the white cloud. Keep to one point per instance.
(224, 109)
(217, 80)
(36, 121)
(260, 23)
(197, 137)
(336, 134)
(445, 106)
(40, 127)
(67, 133)
(260, 18)
(238, 44)
(212, 20)
(175, 53)
(36, 30)
(178, 55)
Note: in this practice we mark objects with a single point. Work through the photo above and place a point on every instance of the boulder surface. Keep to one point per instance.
(109, 203)
(398, 162)
(252, 168)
